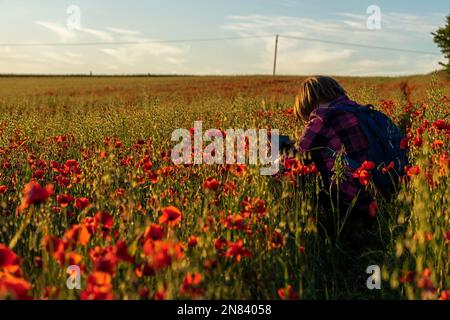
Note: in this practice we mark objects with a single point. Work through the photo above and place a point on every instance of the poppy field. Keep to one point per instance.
(86, 180)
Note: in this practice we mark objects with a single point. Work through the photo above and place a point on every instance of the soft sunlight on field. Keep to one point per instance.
(87, 180)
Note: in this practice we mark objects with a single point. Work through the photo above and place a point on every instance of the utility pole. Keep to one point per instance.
(275, 57)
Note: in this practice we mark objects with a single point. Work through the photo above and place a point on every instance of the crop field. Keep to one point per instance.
(87, 182)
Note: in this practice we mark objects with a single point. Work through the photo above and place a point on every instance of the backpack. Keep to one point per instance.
(384, 139)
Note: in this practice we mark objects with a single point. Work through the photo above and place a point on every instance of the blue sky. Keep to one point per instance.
(404, 24)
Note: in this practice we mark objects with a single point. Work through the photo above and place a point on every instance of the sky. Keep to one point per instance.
(147, 24)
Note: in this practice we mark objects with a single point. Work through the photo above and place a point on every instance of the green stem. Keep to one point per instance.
(22, 227)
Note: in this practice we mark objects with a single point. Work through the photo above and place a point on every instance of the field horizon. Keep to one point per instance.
(175, 75)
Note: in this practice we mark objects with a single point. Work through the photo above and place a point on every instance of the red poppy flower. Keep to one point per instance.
(192, 279)
(259, 206)
(160, 294)
(99, 287)
(55, 247)
(9, 261)
(82, 203)
(51, 293)
(363, 172)
(238, 169)
(445, 295)
(211, 184)
(63, 181)
(287, 293)
(91, 224)
(441, 124)
(417, 141)
(404, 143)
(191, 285)
(13, 287)
(444, 164)
(72, 163)
(291, 163)
(437, 144)
(154, 232)
(162, 253)
(220, 244)
(33, 193)
(237, 251)
(118, 144)
(64, 200)
(276, 240)
(235, 222)
(3, 189)
(363, 176)
(38, 174)
(170, 215)
(447, 235)
(368, 165)
(120, 192)
(192, 242)
(147, 165)
(78, 234)
(104, 259)
(312, 168)
(413, 171)
(407, 276)
(73, 258)
(153, 177)
(125, 162)
(122, 252)
(388, 167)
(104, 220)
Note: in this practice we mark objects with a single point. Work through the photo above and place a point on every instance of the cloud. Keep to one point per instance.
(398, 66)
(261, 24)
(63, 32)
(249, 56)
(397, 22)
(99, 34)
(123, 31)
(67, 35)
(300, 57)
(315, 59)
(131, 54)
(140, 57)
(128, 55)
(62, 58)
(14, 60)
(347, 27)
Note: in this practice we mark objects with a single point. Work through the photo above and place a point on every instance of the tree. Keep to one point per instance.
(442, 39)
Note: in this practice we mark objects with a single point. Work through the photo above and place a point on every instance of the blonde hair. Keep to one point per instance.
(314, 91)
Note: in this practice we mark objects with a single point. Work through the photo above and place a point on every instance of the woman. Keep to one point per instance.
(330, 131)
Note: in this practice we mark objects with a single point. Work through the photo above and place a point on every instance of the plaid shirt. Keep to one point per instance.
(334, 129)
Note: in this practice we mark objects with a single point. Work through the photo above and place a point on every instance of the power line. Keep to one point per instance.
(359, 45)
(106, 43)
(193, 40)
